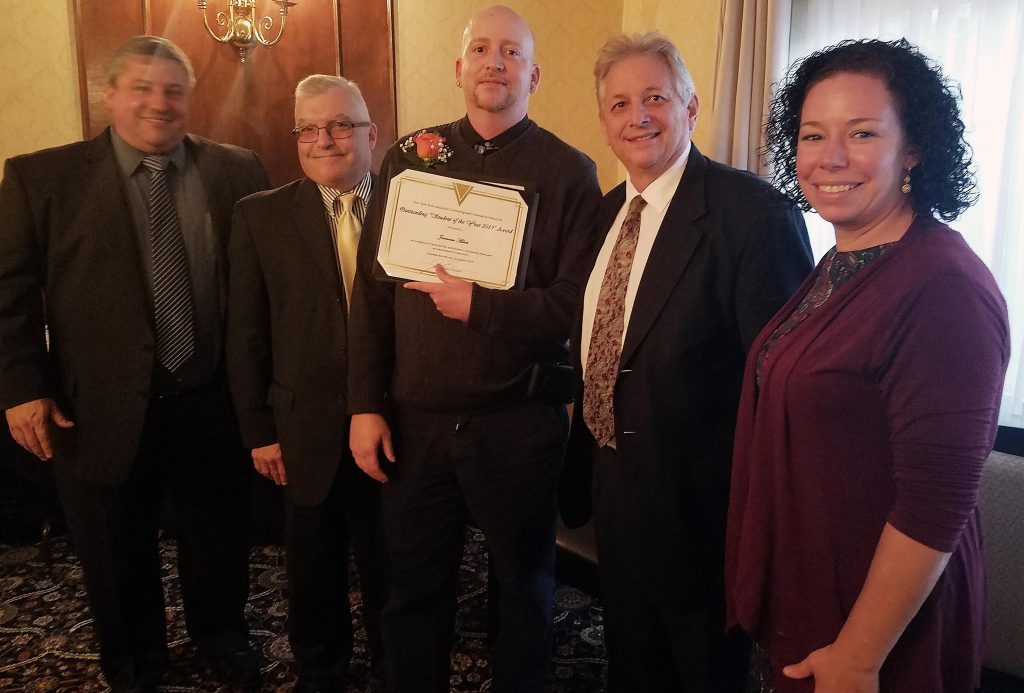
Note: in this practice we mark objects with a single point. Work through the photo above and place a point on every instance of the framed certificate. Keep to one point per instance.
(479, 230)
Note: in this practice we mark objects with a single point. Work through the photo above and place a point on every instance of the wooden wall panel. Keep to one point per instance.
(249, 104)
(368, 57)
(100, 27)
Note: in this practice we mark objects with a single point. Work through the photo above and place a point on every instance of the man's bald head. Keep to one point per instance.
(506, 14)
(496, 71)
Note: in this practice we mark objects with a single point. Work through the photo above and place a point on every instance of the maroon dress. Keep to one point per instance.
(877, 402)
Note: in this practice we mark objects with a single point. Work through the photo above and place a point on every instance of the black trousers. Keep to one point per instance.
(500, 467)
(656, 642)
(191, 454)
(317, 540)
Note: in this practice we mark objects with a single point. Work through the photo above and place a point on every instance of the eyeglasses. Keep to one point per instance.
(337, 129)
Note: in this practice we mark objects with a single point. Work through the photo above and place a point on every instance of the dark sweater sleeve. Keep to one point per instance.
(942, 387)
(371, 319)
(544, 312)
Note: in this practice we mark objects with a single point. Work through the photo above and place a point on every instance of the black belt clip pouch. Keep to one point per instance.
(551, 382)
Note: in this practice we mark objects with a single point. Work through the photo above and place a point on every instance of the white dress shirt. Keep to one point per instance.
(658, 195)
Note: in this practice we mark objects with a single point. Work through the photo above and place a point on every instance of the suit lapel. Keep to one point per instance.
(104, 209)
(312, 227)
(219, 189)
(609, 209)
(673, 249)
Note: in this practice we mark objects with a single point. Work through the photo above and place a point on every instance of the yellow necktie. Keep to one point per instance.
(348, 240)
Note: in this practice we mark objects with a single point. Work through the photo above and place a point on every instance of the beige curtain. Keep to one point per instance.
(753, 53)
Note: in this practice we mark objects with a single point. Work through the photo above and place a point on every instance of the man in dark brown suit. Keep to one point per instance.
(292, 258)
(112, 297)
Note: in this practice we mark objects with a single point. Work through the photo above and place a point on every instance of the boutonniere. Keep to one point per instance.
(427, 148)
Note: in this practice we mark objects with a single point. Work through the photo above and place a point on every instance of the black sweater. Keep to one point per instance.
(402, 350)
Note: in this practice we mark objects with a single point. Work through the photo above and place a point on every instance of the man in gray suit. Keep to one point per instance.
(112, 299)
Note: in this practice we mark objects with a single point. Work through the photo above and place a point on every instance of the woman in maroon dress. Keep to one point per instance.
(871, 399)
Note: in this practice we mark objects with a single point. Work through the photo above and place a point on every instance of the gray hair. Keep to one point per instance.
(652, 43)
(315, 85)
(149, 47)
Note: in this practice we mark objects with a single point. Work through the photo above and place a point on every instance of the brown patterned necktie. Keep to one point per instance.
(606, 335)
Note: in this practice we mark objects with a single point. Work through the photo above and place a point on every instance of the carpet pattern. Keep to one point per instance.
(47, 643)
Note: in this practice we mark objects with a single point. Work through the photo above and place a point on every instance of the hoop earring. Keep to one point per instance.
(905, 188)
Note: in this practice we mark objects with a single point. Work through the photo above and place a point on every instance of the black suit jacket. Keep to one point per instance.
(67, 236)
(729, 252)
(287, 339)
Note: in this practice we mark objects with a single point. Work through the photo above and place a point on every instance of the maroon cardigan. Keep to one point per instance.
(880, 407)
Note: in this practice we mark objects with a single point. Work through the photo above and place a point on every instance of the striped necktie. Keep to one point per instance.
(348, 239)
(172, 293)
(606, 335)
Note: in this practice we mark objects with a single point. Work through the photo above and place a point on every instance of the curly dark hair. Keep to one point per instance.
(927, 105)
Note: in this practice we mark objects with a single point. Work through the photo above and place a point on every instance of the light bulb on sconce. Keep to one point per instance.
(241, 29)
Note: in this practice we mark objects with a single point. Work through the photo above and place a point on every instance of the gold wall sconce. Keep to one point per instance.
(241, 29)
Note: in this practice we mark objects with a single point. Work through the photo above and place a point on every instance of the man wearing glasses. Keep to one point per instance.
(292, 257)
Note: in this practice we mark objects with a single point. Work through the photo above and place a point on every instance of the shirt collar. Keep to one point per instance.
(129, 158)
(659, 193)
(474, 139)
(362, 191)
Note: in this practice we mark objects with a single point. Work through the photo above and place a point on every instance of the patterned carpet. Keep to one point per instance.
(47, 642)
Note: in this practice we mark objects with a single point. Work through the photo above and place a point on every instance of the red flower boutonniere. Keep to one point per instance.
(427, 148)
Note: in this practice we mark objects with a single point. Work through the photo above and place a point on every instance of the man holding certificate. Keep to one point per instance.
(453, 383)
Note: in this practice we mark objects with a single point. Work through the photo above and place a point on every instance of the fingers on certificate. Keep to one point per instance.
(452, 296)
